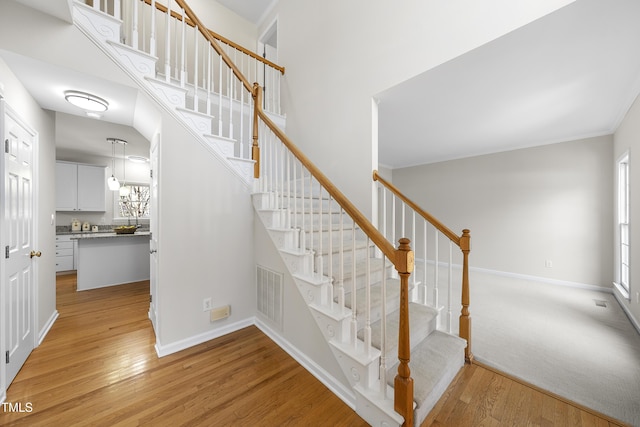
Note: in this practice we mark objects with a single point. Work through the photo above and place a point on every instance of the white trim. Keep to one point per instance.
(165, 350)
(47, 327)
(339, 389)
(568, 283)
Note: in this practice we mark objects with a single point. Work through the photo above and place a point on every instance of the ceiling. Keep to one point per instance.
(251, 10)
(568, 75)
(571, 74)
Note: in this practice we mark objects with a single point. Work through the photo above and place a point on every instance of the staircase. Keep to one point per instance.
(354, 281)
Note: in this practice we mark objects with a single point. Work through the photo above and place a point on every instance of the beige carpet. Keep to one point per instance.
(559, 339)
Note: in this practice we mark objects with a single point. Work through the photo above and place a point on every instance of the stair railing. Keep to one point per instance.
(194, 60)
(426, 244)
(296, 185)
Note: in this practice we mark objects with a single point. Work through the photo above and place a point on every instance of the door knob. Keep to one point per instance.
(34, 253)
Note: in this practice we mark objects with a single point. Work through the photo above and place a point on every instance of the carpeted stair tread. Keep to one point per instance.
(434, 364)
(422, 320)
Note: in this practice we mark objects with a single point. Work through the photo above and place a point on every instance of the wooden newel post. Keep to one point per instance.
(403, 383)
(255, 148)
(465, 318)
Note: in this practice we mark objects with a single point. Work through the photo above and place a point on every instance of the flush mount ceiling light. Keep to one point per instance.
(138, 159)
(86, 101)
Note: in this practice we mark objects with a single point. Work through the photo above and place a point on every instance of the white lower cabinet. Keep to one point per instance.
(65, 253)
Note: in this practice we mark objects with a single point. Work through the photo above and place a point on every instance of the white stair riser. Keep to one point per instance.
(360, 370)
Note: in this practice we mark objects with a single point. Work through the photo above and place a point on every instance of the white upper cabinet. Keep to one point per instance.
(80, 187)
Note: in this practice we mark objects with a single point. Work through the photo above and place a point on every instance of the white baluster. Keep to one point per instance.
(383, 332)
(230, 89)
(424, 277)
(167, 53)
(436, 270)
(183, 47)
(209, 49)
(341, 252)
(367, 328)
(302, 210)
(354, 314)
(196, 101)
(134, 29)
(330, 250)
(152, 37)
(220, 96)
(117, 10)
(311, 214)
(96, 4)
(450, 286)
(413, 240)
(320, 266)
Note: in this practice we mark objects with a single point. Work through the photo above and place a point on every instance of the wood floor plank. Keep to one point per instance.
(98, 367)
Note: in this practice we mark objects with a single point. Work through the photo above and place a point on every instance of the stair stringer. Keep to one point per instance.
(104, 31)
(359, 367)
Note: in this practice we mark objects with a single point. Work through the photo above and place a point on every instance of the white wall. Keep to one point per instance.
(527, 206)
(205, 240)
(627, 137)
(338, 55)
(43, 123)
(222, 21)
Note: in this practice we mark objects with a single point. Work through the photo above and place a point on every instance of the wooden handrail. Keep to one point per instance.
(369, 229)
(426, 215)
(217, 36)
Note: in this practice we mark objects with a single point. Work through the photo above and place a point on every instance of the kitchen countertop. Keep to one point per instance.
(103, 234)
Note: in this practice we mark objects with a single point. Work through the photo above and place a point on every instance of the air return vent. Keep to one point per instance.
(269, 295)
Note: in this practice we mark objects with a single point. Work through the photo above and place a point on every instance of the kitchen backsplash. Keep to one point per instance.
(101, 228)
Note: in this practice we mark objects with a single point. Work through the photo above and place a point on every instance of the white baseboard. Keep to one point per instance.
(47, 327)
(568, 283)
(164, 350)
(339, 389)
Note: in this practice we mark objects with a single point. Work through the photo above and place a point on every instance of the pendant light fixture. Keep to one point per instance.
(124, 190)
(112, 181)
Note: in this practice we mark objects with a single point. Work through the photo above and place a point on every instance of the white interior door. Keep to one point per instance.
(153, 227)
(18, 219)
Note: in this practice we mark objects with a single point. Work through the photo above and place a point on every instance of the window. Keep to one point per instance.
(623, 224)
(135, 205)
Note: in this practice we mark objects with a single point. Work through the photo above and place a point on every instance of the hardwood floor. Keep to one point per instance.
(98, 366)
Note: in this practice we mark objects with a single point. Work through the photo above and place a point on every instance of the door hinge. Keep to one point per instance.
(150, 298)
(6, 252)
(150, 173)
(6, 146)
(7, 356)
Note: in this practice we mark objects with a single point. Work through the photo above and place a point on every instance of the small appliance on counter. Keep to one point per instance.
(75, 225)
(86, 226)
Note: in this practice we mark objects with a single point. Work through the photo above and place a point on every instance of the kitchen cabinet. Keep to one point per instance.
(65, 253)
(80, 187)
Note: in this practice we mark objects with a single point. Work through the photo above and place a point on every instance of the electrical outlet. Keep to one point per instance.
(206, 304)
(548, 263)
